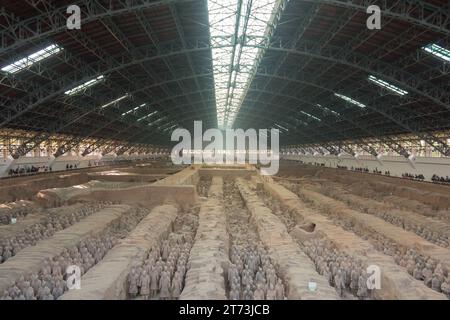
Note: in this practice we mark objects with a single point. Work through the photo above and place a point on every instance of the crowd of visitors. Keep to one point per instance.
(418, 177)
(33, 169)
(318, 164)
(437, 179)
(28, 170)
(376, 171)
(360, 169)
(71, 166)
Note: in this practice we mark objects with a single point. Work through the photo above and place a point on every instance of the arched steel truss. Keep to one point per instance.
(34, 97)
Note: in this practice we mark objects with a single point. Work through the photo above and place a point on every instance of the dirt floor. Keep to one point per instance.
(157, 231)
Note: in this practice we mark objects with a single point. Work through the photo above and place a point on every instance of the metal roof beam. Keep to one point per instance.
(53, 20)
(182, 36)
(418, 12)
(40, 94)
(389, 72)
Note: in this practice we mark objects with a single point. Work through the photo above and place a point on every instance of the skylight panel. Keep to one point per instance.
(33, 58)
(147, 116)
(157, 121)
(114, 101)
(167, 125)
(170, 128)
(239, 33)
(310, 116)
(281, 127)
(84, 86)
(303, 123)
(352, 101)
(328, 109)
(438, 51)
(387, 85)
(134, 109)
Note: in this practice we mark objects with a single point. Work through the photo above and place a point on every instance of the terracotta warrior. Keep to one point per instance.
(234, 294)
(154, 281)
(259, 293)
(362, 287)
(445, 287)
(164, 285)
(133, 280)
(271, 293)
(144, 283)
(28, 291)
(279, 290)
(176, 288)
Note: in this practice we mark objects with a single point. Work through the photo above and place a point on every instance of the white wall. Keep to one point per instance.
(396, 165)
(4, 165)
(59, 164)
